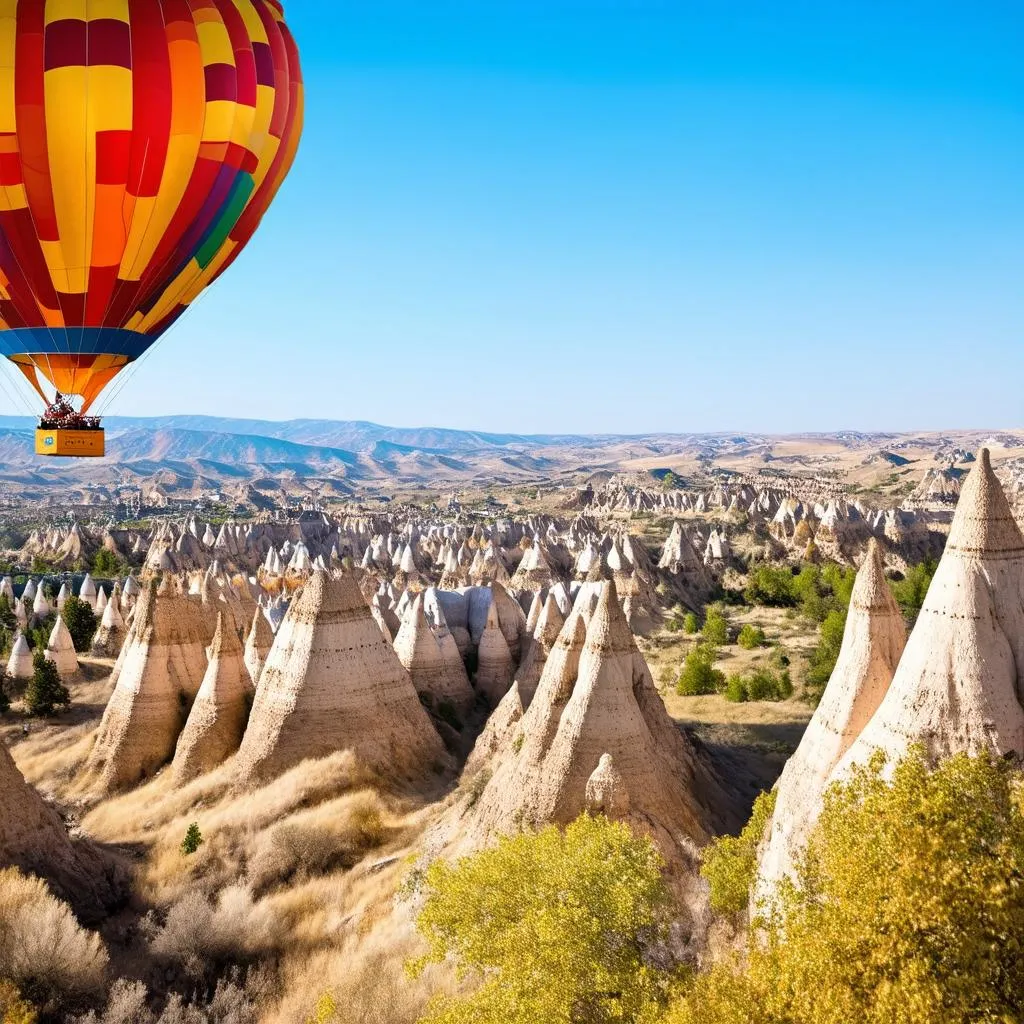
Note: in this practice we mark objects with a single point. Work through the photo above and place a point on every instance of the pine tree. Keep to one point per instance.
(193, 840)
(45, 692)
(81, 621)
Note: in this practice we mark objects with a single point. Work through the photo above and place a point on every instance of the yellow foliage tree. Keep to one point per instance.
(553, 926)
(908, 909)
(14, 1009)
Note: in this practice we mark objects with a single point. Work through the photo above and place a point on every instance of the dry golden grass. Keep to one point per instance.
(43, 949)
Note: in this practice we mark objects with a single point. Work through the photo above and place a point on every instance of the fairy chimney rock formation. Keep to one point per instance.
(873, 642)
(494, 660)
(257, 648)
(60, 649)
(160, 670)
(436, 678)
(610, 707)
(216, 722)
(959, 683)
(606, 791)
(332, 682)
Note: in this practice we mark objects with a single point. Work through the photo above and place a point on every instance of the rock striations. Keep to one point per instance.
(160, 671)
(216, 722)
(332, 682)
(438, 677)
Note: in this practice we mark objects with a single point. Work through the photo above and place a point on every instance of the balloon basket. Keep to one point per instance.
(76, 444)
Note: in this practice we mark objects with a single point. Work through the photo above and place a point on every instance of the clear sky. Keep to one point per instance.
(633, 215)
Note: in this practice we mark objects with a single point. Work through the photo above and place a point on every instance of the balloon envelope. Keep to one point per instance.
(141, 142)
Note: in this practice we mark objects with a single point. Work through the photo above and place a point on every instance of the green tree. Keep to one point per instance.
(690, 623)
(729, 864)
(769, 586)
(81, 621)
(554, 926)
(716, 628)
(826, 653)
(192, 841)
(38, 636)
(699, 675)
(751, 637)
(45, 692)
(908, 908)
(911, 591)
(7, 617)
(106, 564)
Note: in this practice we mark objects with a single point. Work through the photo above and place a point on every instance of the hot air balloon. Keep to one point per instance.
(141, 143)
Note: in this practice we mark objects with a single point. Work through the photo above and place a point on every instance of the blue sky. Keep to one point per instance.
(632, 215)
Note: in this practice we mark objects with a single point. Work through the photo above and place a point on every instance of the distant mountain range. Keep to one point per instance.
(347, 435)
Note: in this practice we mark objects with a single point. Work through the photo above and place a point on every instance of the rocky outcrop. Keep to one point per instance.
(332, 682)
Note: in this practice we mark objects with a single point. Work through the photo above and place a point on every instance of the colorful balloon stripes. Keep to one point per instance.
(141, 143)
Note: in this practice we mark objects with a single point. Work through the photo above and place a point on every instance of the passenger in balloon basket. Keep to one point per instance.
(60, 415)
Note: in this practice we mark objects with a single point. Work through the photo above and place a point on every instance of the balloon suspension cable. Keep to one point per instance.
(61, 415)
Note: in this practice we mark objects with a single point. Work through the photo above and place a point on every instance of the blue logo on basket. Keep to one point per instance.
(48, 442)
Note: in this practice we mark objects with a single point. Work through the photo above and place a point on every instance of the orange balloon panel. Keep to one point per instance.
(85, 375)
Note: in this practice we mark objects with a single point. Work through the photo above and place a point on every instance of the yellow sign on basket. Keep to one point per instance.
(76, 443)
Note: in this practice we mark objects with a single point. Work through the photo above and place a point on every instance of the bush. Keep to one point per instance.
(14, 1009)
(44, 952)
(761, 684)
(736, 689)
(751, 637)
(690, 623)
(911, 591)
(716, 628)
(907, 908)
(45, 692)
(555, 926)
(826, 653)
(107, 565)
(770, 586)
(729, 864)
(699, 675)
(39, 635)
(192, 841)
(311, 846)
(81, 621)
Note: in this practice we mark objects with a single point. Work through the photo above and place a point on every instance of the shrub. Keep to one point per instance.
(907, 907)
(826, 653)
(310, 846)
(14, 1009)
(204, 937)
(736, 689)
(44, 952)
(107, 565)
(192, 841)
(81, 622)
(729, 864)
(770, 586)
(45, 691)
(690, 623)
(553, 925)
(716, 628)
(699, 675)
(751, 637)
(911, 591)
